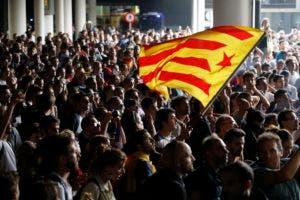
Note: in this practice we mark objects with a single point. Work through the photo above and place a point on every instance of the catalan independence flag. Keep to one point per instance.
(199, 64)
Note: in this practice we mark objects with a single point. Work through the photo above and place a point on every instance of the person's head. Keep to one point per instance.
(49, 126)
(244, 100)
(80, 102)
(165, 119)
(255, 118)
(265, 23)
(237, 181)
(177, 156)
(288, 119)
(224, 123)
(235, 141)
(269, 150)
(91, 83)
(215, 151)
(248, 78)
(59, 153)
(281, 97)
(290, 64)
(265, 67)
(132, 94)
(149, 106)
(90, 125)
(141, 141)
(262, 83)
(181, 105)
(5, 94)
(286, 76)
(9, 184)
(280, 64)
(270, 120)
(109, 165)
(115, 103)
(97, 145)
(119, 92)
(278, 80)
(286, 142)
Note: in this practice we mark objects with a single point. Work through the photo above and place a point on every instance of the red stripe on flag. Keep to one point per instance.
(196, 62)
(191, 43)
(234, 32)
(187, 78)
(147, 78)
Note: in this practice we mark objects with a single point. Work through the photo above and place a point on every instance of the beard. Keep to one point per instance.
(186, 168)
(72, 166)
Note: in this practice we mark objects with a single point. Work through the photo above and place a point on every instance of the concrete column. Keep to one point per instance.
(39, 18)
(91, 12)
(68, 18)
(17, 22)
(59, 16)
(232, 12)
(48, 24)
(9, 19)
(198, 15)
(80, 15)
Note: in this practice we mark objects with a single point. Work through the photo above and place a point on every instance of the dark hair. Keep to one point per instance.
(279, 93)
(169, 155)
(282, 116)
(260, 79)
(284, 135)
(220, 122)
(46, 122)
(177, 101)
(233, 133)
(86, 121)
(147, 102)
(244, 95)
(241, 169)
(277, 77)
(51, 148)
(247, 75)
(269, 117)
(137, 138)
(108, 158)
(254, 116)
(268, 137)
(162, 116)
(209, 142)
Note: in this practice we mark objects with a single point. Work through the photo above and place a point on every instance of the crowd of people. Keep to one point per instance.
(77, 122)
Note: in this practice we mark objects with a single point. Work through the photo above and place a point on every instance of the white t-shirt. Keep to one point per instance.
(7, 158)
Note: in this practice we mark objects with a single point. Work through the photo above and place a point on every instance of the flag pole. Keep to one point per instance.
(225, 83)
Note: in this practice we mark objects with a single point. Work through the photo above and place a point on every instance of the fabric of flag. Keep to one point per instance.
(199, 64)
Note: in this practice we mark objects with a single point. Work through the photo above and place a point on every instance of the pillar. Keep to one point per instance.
(198, 15)
(68, 23)
(39, 18)
(232, 12)
(59, 16)
(80, 15)
(17, 20)
(91, 12)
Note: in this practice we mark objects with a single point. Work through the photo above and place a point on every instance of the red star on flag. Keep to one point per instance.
(226, 61)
